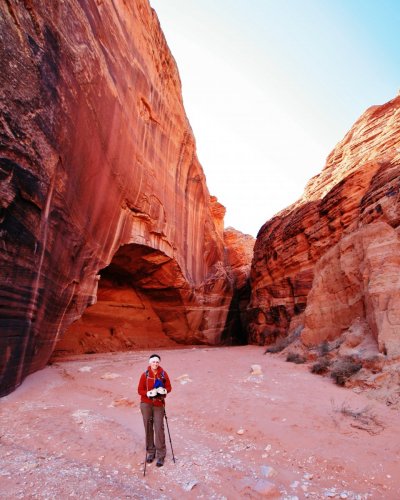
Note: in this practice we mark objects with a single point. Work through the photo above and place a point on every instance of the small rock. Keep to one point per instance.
(110, 376)
(266, 488)
(268, 471)
(256, 370)
(84, 369)
(183, 379)
(240, 431)
(189, 485)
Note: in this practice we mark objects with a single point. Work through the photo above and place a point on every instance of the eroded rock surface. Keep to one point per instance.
(239, 251)
(357, 270)
(359, 277)
(137, 307)
(99, 168)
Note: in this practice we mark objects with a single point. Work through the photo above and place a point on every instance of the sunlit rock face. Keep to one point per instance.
(99, 172)
(359, 277)
(359, 187)
(143, 301)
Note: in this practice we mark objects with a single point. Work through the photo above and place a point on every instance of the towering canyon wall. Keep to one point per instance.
(331, 260)
(239, 249)
(99, 177)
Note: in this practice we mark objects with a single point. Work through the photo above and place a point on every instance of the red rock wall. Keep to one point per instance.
(239, 252)
(359, 277)
(359, 186)
(97, 155)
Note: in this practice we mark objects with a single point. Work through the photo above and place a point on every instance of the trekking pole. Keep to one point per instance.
(145, 456)
(169, 435)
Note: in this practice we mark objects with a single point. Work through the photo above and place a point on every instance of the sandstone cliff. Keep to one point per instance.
(331, 260)
(99, 178)
(239, 249)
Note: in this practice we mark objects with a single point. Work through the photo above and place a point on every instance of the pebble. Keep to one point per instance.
(110, 376)
(189, 485)
(255, 370)
(268, 471)
(266, 488)
(240, 431)
(84, 369)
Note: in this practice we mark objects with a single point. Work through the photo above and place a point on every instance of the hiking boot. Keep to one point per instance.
(150, 458)
(160, 462)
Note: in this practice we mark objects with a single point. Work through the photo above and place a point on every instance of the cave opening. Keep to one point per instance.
(139, 305)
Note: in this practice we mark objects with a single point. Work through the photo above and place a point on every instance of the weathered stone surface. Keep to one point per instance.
(239, 253)
(137, 307)
(239, 249)
(99, 167)
(357, 278)
(358, 186)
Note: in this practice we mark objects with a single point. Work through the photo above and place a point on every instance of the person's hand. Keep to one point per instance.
(152, 393)
(162, 391)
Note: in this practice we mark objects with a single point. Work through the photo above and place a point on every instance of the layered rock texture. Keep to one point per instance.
(132, 311)
(239, 248)
(99, 180)
(332, 260)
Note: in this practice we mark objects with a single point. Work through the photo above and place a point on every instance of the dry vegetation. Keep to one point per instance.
(294, 357)
(362, 418)
(343, 369)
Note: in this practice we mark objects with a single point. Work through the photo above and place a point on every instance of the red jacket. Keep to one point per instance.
(146, 383)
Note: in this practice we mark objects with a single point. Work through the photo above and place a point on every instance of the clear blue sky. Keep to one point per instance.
(270, 87)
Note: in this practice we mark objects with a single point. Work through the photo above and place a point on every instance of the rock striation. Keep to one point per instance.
(359, 277)
(133, 312)
(239, 252)
(331, 259)
(99, 180)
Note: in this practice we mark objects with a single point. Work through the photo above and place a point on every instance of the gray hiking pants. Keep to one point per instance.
(153, 419)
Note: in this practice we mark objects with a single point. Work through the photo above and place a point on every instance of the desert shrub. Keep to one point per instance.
(282, 342)
(294, 357)
(321, 366)
(363, 418)
(323, 348)
(344, 369)
(278, 346)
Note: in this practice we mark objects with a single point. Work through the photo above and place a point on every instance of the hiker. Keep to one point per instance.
(154, 385)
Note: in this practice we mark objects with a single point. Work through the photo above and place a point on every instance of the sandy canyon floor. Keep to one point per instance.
(74, 429)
